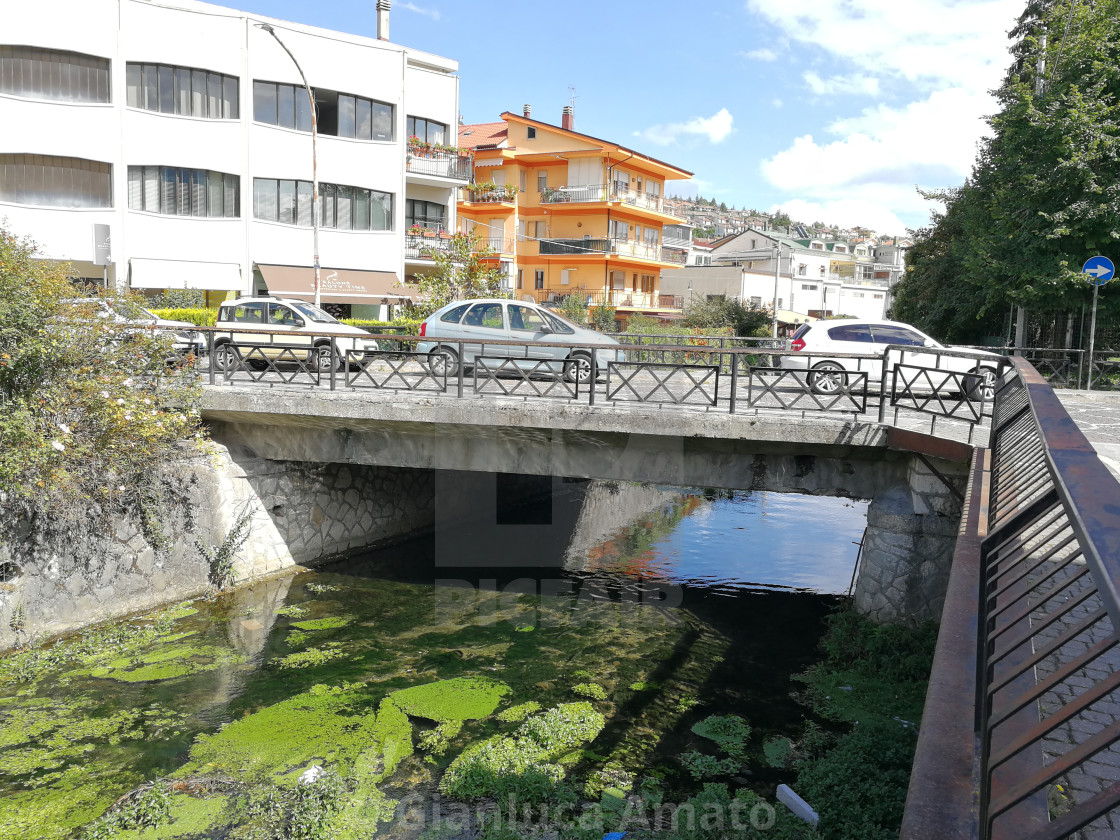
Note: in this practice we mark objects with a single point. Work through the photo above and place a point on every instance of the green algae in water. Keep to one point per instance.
(461, 698)
(312, 657)
(190, 818)
(518, 713)
(730, 732)
(323, 623)
(294, 610)
(592, 690)
(166, 663)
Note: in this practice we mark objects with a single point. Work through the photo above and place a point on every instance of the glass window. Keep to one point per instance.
(281, 316)
(132, 78)
(558, 324)
(264, 102)
(851, 332)
(341, 207)
(891, 334)
(214, 95)
(485, 315)
(361, 209)
(38, 73)
(151, 87)
(304, 192)
(346, 116)
(166, 89)
(363, 119)
(426, 214)
(198, 93)
(524, 318)
(287, 207)
(452, 316)
(426, 131)
(249, 313)
(303, 111)
(285, 106)
(264, 199)
(183, 90)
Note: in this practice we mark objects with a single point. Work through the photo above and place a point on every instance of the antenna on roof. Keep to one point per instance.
(572, 97)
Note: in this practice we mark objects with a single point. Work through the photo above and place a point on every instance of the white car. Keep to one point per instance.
(185, 337)
(305, 324)
(818, 339)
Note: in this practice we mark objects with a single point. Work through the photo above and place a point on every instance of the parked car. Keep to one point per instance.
(305, 324)
(818, 339)
(478, 321)
(185, 337)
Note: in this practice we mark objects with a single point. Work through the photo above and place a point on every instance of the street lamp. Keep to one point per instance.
(314, 156)
(777, 263)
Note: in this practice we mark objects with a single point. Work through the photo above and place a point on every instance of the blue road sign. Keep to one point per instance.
(1099, 270)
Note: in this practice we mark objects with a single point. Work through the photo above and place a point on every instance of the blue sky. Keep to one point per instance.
(834, 110)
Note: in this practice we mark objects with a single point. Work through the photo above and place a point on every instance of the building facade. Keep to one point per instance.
(567, 213)
(168, 146)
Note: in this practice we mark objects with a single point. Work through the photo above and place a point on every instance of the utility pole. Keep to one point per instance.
(777, 264)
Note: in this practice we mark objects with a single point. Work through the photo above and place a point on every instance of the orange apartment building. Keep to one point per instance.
(568, 213)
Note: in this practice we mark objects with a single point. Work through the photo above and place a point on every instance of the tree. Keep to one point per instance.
(702, 313)
(460, 274)
(89, 409)
(574, 308)
(723, 207)
(780, 219)
(1044, 193)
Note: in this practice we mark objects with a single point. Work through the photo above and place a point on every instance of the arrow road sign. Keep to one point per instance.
(1099, 269)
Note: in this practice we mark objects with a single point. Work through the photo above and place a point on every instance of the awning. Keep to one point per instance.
(184, 274)
(337, 285)
(787, 316)
(489, 162)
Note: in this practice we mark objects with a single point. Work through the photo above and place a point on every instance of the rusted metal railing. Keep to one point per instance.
(1019, 718)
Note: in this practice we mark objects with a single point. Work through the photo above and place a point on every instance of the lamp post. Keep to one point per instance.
(314, 157)
(777, 263)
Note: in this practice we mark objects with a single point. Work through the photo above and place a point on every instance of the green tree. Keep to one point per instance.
(1045, 190)
(723, 207)
(780, 219)
(89, 409)
(702, 313)
(462, 272)
(603, 318)
(574, 308)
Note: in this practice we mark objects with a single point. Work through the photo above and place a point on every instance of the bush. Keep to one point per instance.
(890, 652)
(88, 409)
(719, 312)
(200, 317)
(178, 299)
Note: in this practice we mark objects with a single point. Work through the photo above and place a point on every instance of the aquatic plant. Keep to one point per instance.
(319, 588)
(145, 808)
(323, 623)
(461, 698)
(644, 686)
(219, 558)
(297, 638)
(294, 610)
(592, 690)
(313, 657)
(703, 766)
(436, 741)
(516, 714)
(778, 751)
(730, 732)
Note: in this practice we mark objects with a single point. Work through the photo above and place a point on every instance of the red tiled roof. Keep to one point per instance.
(481, 134)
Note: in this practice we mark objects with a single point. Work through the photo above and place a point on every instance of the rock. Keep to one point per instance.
(311, 774)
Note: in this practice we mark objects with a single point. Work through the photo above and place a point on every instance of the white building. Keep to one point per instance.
(181, 130)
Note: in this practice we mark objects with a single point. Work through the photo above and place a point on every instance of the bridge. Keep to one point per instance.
(1016, 740)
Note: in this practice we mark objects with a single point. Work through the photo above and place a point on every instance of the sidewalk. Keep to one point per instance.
(1097, 414)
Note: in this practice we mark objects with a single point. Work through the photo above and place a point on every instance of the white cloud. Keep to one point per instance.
(835, 85)
(434, 14)
(761, 54)
(715, 128)
(846, 212)
(777, 103)
(931, 41)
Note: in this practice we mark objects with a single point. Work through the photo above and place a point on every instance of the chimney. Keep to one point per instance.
(528, 109)
(383, 19)
(568, 121)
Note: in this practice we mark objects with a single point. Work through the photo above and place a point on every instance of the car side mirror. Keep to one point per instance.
(545, 328)
(929, 342)
(299, 322)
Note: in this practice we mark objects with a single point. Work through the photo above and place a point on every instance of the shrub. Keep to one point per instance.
(178, 299)
(200, 317)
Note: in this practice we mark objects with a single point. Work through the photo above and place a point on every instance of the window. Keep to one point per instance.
(485, 315)
(801, 269)
(878, 297)
(618, 280)
(780, 303)
(542, 180)
(340, 207)
(520, 273)
(557, 324)
(809, 287)
(186, 91)
(620, 230)
(521, 179)
(37, 73)
(647, 282)
(339, 114)
(822, 271)
(531, 133)
(756, 303)
(247, 313)
(50, 181)
(524, 318)
(889, 334)
(565, 276)
(754, 243)
(857, 294)
(427, 131)
(818, 246)
(652, 235)
(538, 279)
(174, 191)
(538, 230)
(426, 214)
(852, 332)
(452, 316)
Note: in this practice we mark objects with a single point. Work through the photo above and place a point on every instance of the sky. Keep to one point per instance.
(832, 110)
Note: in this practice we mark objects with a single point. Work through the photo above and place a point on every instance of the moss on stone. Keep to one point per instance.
(461, 698)
(329, 623)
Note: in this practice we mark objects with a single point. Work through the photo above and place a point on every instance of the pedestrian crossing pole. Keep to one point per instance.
(1098, 271)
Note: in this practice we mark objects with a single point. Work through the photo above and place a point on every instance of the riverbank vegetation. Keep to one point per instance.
(90, 409)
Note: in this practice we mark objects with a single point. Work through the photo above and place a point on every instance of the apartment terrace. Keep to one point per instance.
(616, 247)
(603, 193)
(438, 163)
(618, 298)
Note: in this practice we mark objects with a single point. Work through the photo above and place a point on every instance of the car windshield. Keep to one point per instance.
(552, 313)
(316, 314)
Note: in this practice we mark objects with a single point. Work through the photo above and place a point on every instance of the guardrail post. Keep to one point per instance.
(210, 354)
(334, 357)
(883, 386)
(459, 372)
(734, 377)
(593, 377)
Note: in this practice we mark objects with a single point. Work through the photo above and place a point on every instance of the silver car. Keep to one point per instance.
(475, 322)
(185, 337)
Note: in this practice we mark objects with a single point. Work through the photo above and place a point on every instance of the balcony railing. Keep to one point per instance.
(565, 195)
(444, 164)
(622, 247)
(673, 242)
(644, 250)
(648, 201)
(501, 244)
(493, 194)
(617, 297)
(554, 247)
(422, 245)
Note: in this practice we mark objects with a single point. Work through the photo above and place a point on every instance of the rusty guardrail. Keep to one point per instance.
(1018, 721)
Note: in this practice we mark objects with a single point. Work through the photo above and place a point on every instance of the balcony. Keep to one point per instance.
(437, 163)
(424, 243)
(618, 298)
(574, 247)
(491, 193)
(674, 242)
(567, 195)
(618, 247)
(647, 201)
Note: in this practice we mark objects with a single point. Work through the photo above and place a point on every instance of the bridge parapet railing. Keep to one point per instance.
(715, 373)
(1068, 367)
(1026, 676)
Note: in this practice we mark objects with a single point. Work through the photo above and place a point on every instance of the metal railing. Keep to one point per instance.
(425, 244)
(576, 193)
(496, 194)
(718, 373)
(574, 247)
(437, 162)
(1068, 367)
(1021, 693)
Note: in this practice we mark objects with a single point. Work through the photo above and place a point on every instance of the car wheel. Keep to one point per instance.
(443, 363)
(578, 368)
(985, 384)
(325, 360)
(227, 357)
(827, 378)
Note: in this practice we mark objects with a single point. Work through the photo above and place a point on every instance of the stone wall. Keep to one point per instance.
(63, 575)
